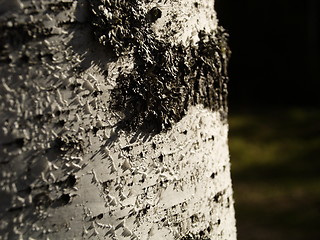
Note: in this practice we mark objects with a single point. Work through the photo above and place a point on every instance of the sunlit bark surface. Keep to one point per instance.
(70, 168)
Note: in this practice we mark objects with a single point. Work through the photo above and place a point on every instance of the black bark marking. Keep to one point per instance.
(69, 182)
(100, 216)
(64, 199)
(167, 78)
(218, 197)
(154, 14)
(201, 235)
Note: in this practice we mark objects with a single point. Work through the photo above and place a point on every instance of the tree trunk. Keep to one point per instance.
(113, 121)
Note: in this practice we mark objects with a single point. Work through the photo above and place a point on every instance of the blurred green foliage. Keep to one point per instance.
(275, 156)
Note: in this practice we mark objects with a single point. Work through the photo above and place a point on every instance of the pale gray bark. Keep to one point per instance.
(67, 170)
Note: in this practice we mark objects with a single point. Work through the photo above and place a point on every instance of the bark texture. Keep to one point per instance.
(113, 121)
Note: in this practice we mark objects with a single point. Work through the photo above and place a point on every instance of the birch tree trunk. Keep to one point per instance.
(113, 121)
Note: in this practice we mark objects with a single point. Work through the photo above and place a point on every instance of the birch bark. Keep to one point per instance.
(113, 121)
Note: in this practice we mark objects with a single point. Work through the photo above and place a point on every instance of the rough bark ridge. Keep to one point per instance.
(113, 121)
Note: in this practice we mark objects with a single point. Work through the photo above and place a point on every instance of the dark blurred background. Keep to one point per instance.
(274, 116)
(276, 52)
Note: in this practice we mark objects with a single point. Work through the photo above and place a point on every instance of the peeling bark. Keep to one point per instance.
(113, 121)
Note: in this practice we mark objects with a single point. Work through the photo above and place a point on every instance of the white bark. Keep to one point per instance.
(66, 170)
